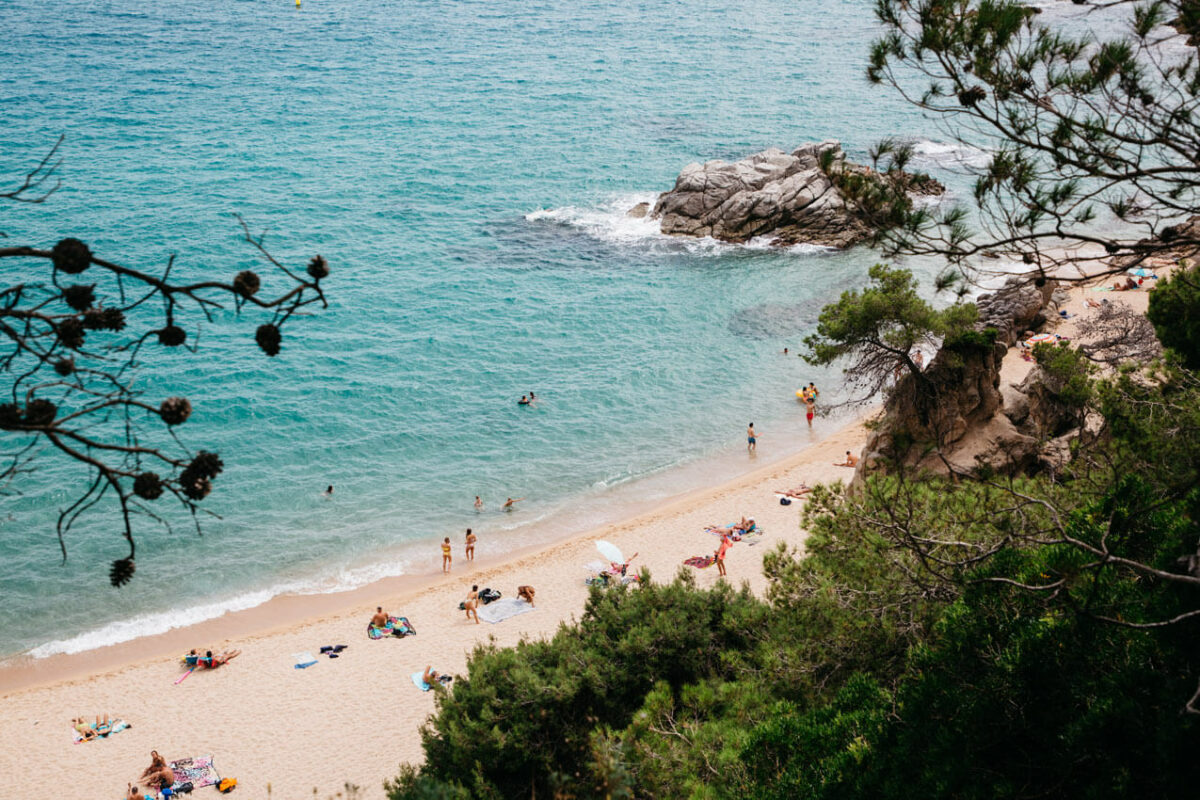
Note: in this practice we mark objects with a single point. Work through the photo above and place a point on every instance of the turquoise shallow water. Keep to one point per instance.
(465, 166)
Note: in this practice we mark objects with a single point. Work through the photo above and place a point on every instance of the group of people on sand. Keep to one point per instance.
(210, 660)
(158, 776)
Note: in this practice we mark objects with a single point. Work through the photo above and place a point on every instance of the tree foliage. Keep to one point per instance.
(876, 330)
(76, 330)
(1092, 138)
(1174, 310)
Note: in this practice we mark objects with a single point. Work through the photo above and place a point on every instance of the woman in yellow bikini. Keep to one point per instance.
(446, 555)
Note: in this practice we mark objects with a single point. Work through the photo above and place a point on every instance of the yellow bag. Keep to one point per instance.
(226, 785)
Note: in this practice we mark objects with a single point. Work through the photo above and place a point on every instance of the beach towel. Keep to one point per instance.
(419, 682)
(200, 771)
(504, 609)
(303, 660)
(398, 626)
(114, 726)
(701, 562)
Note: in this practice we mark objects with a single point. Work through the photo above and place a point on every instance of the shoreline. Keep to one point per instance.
(286, 610)
(357, 718)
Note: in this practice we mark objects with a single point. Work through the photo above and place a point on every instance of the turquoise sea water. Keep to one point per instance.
(465, 167)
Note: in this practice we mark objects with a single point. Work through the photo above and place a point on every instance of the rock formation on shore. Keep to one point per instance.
(792, 196)
(955, 414)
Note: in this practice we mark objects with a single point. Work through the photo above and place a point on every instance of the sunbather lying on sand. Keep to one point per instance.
(798, 492)
(736, 529)
(210, 661)
(88, 732)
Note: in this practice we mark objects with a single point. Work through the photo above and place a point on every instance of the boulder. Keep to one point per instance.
(791, 196)
(1014, 308)
(639, 211)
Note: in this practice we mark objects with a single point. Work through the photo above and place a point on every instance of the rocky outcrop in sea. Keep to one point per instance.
(793, 197)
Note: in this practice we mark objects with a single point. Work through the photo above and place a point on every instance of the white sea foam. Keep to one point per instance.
(948, 154)
(610, 222)
(152, 624)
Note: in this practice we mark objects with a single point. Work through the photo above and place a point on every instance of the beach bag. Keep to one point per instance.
(785, 501)
(185, 788)
(489, 596)
(227, 785)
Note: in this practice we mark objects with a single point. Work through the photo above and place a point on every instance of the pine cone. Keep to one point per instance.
(172, 336)
(175, 410)
(80, 297)
(64, 366)
(206, 464)
(194, 485)
(268, 338)
(104, 319)
(121, 572)
(40, 412)
(71, 256)
(10, 415)
(148, 486)
(246, 283)
(318, 268)
(70, 333)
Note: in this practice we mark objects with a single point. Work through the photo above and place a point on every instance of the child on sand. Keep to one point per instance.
(446, 555)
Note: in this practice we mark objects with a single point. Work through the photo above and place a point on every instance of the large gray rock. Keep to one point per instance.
(1014, 308)
(789, 195)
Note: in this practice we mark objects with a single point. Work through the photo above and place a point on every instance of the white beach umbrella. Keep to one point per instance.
(610, 551)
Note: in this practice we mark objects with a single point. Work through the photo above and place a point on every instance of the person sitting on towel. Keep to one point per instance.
(525, 593)
(157, 762)
(432, 678)
(380, 619)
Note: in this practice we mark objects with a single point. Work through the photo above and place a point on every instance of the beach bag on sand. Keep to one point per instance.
(489, 596)
(185, 788)
(227, 785)
(784, 501)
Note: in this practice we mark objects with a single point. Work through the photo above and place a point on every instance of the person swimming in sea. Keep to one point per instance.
(524, 401)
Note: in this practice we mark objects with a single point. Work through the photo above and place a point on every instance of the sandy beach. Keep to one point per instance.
(357, 718)
(285, 732)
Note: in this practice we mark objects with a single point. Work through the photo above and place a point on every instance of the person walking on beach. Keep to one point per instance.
(472, 603)
(470, 545)
(446, 555)
(751, 439)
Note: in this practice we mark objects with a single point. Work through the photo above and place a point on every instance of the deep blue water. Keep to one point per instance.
(465, 167)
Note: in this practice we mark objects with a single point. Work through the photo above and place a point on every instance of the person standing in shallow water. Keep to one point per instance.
(446, 555)
(810, 406)
(751, 439)
(478, 503)
(470, 545)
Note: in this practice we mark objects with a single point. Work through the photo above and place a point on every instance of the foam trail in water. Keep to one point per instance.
(948, 154)
(610, 222)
